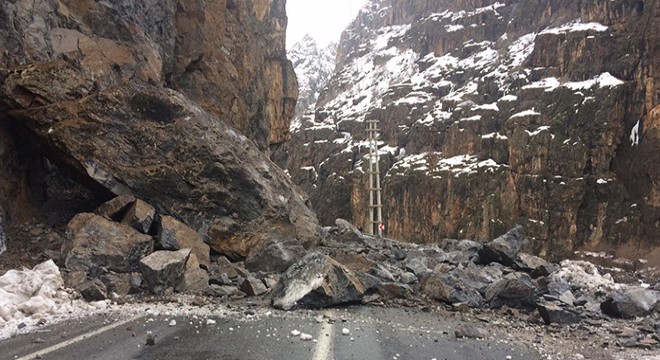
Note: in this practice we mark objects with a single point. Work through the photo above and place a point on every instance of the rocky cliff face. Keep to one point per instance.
(174, 102)
(544, 113)
(313, 67)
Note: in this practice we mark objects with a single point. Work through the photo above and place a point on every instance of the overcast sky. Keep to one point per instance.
(324, 20)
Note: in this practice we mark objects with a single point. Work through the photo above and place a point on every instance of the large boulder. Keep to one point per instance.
(553, 313)
(175, 235)
(451, 289)
(514, 290)
(95, 242)
(164, 269)
(317, 281)
(159, 146)
(504, 249)
(275, 256)
(84, 82)
(630, 302)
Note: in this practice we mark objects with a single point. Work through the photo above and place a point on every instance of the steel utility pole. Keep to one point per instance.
(375, 204)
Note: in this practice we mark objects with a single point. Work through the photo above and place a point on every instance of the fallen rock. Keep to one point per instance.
(630, 302)
(140, 216)
(95, 242)
(224, 291)
(394, 290)
(164, 269)
(116, 208)
(253, 287)
(195, 279)
(275, 256)
(553, 313)
(516, 290)
(316, 281)
(450, 289)
(470, 331)
(93, 290)
(224, 266)
(504, 249)
(215, 177)
(175, 235)
(544, 270)
(119, 284)
(532, 264)
(417, 265)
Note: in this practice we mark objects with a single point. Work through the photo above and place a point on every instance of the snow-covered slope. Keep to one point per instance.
(510, 112)
(313, 67)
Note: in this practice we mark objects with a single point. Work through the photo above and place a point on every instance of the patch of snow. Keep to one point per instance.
(575, 26)
(495, 135)
(453, 28)
(521, 49)
(530, 112)
(634, 135)
(492, 106)
(508, 98)
(585, 275)
(538, 130)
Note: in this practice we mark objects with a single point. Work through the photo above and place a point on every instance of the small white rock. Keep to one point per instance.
(295, 333)
(345, 331)
(210, 322)
(173, 322)
(305, 337)
(508, 357)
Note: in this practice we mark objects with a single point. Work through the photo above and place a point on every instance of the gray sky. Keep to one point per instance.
(324, 20)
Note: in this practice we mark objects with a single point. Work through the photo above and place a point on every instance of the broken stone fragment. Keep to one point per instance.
(316, 281)
(224, 291)
(504, 249)
(93, 290)
(552, 313)
(275, 256)
(195, 279)
(164, 269)
(450, 289)
(470, 331)
(630, 302)
(95, 242)
(175, 235)
(140, 216)
(119, 284)
(116, 208)
(253, 287)
(516, 290)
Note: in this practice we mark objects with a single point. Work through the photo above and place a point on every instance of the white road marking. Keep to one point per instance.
(78, 339)
(324, 344)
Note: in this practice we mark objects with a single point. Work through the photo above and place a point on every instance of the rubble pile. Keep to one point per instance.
(126, 247)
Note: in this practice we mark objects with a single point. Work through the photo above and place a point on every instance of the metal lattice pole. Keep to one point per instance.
(375, 201)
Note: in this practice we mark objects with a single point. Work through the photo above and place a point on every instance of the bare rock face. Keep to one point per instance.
(96, 242)
(542, 113)
(173, 102)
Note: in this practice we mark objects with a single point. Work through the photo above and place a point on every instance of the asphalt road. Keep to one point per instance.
(375, 333)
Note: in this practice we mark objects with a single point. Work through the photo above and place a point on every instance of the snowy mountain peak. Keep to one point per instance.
(313, 67)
